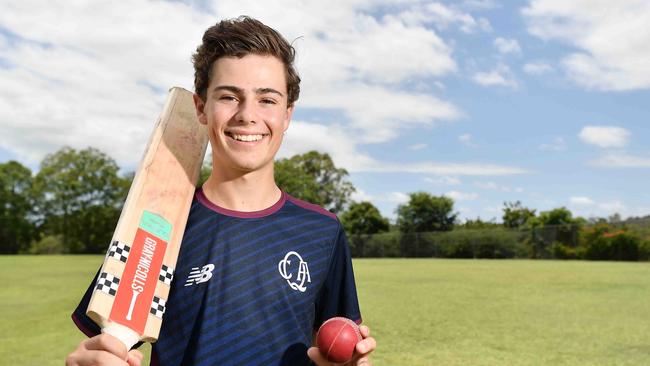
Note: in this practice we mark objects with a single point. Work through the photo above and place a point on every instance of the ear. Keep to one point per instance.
(200, 109)
(288, 118)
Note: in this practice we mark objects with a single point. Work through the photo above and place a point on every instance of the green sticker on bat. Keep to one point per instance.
(156, 225)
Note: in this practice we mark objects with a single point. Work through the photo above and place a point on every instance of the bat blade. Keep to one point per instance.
(131, 292)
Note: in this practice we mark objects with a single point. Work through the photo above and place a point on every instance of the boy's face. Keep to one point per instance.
(245, 111)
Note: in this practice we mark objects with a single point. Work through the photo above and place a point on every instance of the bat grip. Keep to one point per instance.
(127, 335)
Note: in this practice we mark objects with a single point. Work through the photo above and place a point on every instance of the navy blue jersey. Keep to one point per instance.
(250, 288)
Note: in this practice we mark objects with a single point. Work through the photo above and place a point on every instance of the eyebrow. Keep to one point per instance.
(238, 90)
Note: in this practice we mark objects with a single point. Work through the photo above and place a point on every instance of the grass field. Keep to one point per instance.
(422, 312)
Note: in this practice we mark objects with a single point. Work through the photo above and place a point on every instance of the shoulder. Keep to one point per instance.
(311, 208)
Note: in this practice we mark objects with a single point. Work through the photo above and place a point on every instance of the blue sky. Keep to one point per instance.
(484, 101)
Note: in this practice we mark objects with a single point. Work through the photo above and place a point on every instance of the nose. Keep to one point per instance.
(246, 112)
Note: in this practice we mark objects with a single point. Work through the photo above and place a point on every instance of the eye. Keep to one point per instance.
(228, 97)
(268, 101)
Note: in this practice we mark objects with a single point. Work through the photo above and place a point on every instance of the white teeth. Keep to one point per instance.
(247, 138)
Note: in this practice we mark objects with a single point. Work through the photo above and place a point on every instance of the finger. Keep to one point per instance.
(363, 361)
(365, 331)
(94, 358)
(134, 358)
(108, 343)
(366, 346)
(318, 358)
(136, 353)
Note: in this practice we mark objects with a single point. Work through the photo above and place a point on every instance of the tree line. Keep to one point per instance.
(73, 202)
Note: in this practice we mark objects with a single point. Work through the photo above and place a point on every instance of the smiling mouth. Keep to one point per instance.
(246, 138)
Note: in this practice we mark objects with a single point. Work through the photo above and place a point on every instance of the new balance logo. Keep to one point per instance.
(200, 274)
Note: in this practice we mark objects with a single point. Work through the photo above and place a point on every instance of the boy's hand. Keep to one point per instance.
(361, 352)
(103, 349)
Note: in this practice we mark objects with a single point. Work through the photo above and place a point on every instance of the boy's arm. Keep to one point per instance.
(339, 298)
(98, 349)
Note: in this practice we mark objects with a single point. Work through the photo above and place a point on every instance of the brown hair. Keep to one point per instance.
(240, 37)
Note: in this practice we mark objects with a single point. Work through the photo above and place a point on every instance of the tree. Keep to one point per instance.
(515, 215)
(479, 224)
(360, 220)
(363, 218)
(16, 229)
(425, 212)
(313, 177)
(555, 226)
(559, 217)
(80, 196)
(206, 170)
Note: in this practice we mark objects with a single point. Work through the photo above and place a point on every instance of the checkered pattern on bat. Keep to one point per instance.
(158, 307)
(108, 283)
(166, 275)
(119, 251)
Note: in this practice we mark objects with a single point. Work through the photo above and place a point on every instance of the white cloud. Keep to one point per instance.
(605, 136)
(537, 68)
(622, 161)
(443, 16)
(380, 113)
(467, 140)
(359, 196)
(453, 169)
(612, 39)
(96, 74)
(496, 187)
(444, 180)
(398, 198)
(587, 207)
(507, 45)
(500, 76)
(558, 144)
(461, 196)
(87, 75)
(344, 150)
(581, 201)
(302, 137)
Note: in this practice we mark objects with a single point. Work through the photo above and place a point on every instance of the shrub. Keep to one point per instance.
(382, 245)
(494, 243)
(644, 250)
(50, 244)
(601, 244)
(562, 251)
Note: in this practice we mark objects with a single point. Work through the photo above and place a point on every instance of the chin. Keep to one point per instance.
(249, 166)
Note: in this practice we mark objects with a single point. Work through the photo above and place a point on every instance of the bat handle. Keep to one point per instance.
(127, 335)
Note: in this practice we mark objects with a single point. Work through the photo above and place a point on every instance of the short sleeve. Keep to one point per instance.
(338, 295)
(79, 317)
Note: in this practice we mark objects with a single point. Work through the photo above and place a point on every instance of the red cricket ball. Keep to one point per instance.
(337, 338)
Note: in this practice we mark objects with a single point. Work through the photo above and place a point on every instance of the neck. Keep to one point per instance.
(244, 192)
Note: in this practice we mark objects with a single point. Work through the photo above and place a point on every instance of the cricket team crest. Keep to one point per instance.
(299, 268)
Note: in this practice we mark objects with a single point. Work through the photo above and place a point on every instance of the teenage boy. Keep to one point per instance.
(273, 268)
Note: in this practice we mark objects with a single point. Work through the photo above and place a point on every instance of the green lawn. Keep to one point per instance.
(422, 312)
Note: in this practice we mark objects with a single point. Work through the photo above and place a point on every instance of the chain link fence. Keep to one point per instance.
(494, 243)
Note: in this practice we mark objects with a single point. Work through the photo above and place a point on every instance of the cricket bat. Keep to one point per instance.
(129, 298)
